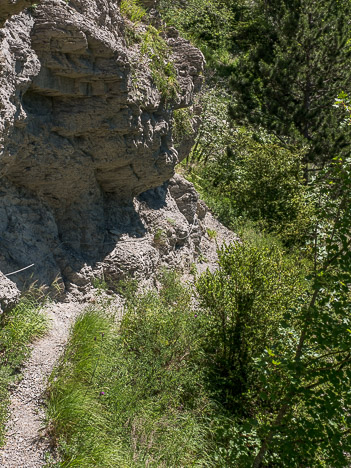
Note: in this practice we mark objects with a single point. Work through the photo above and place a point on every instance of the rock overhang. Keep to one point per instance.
(83, 127)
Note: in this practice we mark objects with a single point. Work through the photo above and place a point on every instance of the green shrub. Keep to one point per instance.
(133, 10)
(127, 288)
(244, 301)
(306, 372)
(205, 22)
(215, 132)
(262, 181)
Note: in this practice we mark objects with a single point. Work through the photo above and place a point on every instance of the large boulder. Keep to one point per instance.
(9, 294)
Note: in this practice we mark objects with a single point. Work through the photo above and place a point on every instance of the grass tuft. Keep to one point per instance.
(163, 70)
(133, 10)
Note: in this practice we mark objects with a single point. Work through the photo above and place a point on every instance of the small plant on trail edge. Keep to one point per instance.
(201, 257)
(18, 328)
(193, 269)
(100, 284)
(212, 233)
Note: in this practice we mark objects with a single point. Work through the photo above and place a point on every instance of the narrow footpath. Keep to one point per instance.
(26, 444)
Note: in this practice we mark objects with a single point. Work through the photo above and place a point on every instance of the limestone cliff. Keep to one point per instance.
(85, 140)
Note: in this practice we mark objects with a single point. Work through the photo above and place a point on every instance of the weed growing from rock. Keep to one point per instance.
(133, 10)
(161, 65)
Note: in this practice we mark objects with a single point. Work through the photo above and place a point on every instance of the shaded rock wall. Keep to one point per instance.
(83, 131)
(9, 8)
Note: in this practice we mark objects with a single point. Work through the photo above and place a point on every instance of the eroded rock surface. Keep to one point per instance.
(83, 132)
(9, 294)
(9, 8)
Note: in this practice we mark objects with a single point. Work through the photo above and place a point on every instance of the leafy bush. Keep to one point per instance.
(261, 181)
(307, 370)
(215, 132)
(206, 22)
(244, 301)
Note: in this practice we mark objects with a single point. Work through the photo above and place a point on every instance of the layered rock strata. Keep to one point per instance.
(84, 132)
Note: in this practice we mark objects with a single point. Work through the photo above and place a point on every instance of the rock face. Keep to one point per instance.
(12, 7)
(9, 294)
(83, 131)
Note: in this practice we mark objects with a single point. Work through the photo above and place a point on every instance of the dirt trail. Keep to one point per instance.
(26, 444)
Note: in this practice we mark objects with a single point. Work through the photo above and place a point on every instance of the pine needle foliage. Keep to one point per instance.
(290, 77)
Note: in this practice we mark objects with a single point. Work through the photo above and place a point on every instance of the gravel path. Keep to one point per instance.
(26, 443)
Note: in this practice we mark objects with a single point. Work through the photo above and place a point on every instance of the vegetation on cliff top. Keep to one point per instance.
(153, 47)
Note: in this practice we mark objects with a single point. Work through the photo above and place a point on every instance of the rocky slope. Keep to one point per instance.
(86, 151)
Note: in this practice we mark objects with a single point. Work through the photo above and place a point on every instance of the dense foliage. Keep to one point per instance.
(157, 389)
(245, 300)
(290, 78)
(285, 77)
(256, 371)
(132, 394)
(307, 371)
(260, 180)
(205, 22)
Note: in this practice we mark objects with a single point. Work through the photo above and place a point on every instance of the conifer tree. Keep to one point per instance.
(291, 77)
